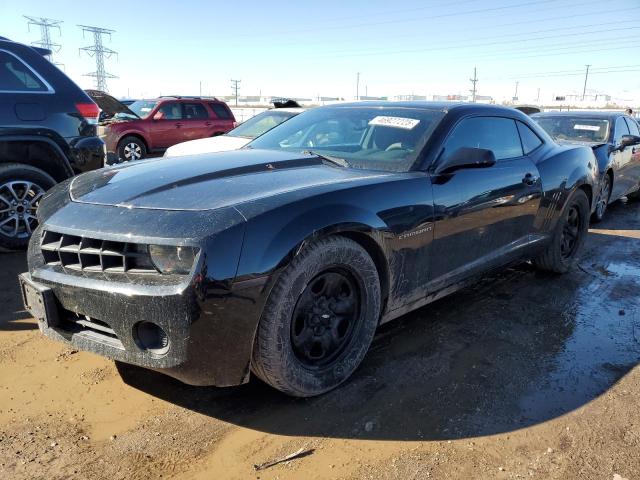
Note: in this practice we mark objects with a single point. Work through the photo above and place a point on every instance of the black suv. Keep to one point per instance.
(47, 134)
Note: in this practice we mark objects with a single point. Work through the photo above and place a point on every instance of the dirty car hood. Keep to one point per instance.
(209, 181)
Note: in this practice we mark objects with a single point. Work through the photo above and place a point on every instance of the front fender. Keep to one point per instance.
(273, 239)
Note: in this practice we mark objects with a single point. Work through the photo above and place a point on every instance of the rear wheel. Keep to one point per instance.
(21, 189)
(319, 319)
(568, 238)
(131, 148)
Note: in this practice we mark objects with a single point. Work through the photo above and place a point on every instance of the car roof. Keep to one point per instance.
(463, 107)
(583, 114)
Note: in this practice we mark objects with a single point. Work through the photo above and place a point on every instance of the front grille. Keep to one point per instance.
(76, 253)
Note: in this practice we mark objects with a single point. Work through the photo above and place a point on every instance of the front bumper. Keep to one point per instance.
(206, 347)
(209, 319)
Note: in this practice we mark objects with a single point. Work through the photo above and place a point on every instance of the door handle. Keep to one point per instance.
(529, 179)
(178, 125)
(207, 124)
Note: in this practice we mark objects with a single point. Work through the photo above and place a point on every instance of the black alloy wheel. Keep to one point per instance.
(319, 319)
(570, 233)
(325, 318)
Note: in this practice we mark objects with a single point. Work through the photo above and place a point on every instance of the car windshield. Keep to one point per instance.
(142, 108)
(261, 123)
(578, 129)
(369, 137)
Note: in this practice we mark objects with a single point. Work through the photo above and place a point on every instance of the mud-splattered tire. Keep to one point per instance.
(319, 320)
(571, 231)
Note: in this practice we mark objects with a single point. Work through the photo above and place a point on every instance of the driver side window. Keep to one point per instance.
(620, 130)
(500, 135)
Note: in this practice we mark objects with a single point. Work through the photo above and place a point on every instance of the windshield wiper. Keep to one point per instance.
(335, 160)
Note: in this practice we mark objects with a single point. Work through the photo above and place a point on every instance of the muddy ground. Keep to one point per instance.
(525, 375)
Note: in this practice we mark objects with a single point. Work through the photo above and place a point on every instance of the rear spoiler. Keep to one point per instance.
(42, 51)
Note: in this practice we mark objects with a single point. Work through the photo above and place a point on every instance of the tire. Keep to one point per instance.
(21, 188)
(634, 196)
(131, 148)
(601, 203)
(304, 352)
(569, 236)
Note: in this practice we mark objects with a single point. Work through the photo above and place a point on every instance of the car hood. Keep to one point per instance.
(221, 143)
(109, 104)
(210, 181)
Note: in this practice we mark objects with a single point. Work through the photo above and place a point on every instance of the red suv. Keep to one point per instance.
(146, 126)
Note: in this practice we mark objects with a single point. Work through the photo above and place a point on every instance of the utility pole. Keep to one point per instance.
(538, 97)
(45, 24)
(515, 95)
(200, 87)
(474, 81)
(586, 75)
(100, 53)
(357, 86)
(235, 88)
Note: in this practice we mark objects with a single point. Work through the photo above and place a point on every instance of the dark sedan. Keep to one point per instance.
(282, 259)
(615, 139)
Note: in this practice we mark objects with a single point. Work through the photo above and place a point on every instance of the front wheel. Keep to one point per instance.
(569, 236)
(131, 148)
(319, 319)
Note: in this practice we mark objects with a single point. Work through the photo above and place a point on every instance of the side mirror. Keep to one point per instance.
(467, 157)
(158, 116)
(628, 140)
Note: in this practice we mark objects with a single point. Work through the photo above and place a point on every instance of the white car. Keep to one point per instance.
(238, 137)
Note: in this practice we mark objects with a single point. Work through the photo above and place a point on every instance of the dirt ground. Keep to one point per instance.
(525, 375)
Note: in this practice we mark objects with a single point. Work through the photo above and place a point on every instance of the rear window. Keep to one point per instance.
(15, 76)
(194, 111)
(220, 111)
(577, 129)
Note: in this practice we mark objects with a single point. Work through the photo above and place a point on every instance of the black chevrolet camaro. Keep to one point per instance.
(615, 139)
(281, 259)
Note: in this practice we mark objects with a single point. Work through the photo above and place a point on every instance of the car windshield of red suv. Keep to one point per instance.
(142, 108)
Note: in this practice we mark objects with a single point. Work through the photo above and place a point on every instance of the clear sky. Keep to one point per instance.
(307, 48)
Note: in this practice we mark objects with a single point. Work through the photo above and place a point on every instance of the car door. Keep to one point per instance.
(221, 118)
(634, 169)
(623, 181)
(195, 121)
(483, 215)
(167, 130)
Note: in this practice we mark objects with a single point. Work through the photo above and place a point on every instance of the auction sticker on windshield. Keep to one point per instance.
(591, 128)
(395, 122)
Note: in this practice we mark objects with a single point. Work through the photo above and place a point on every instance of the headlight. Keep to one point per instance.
(170, 259)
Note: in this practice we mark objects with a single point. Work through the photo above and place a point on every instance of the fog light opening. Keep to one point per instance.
(151, 338)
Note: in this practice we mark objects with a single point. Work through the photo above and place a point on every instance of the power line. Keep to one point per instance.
(465, 42)
(431, 17)
(100, 53)
(466, 47)
(46, 25)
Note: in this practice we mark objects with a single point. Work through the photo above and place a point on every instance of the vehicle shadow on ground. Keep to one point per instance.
(13, 316)
(517, 349)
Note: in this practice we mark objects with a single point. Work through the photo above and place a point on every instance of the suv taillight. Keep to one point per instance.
(90, 111)
(235, 124)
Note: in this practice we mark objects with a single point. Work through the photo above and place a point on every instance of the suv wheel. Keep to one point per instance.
(131, 148)
(21, 188)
